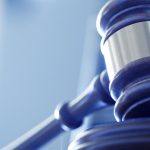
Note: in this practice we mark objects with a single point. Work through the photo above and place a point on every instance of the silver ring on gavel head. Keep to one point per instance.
(126, 45)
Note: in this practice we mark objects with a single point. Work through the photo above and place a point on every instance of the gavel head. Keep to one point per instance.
(125, 29)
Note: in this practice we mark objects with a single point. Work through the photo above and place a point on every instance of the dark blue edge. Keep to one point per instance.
(117, 14)
(131, 88)
(134, 102)
(107, 135)
(133, 72)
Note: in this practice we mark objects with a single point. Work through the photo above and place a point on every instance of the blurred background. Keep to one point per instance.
(49, 52)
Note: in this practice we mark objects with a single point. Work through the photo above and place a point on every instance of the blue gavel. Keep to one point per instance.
(125, 29)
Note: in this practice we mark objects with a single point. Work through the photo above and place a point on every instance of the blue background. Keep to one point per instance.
(42, 45)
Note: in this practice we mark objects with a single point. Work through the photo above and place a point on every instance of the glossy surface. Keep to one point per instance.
(129, 135)
(117, 14)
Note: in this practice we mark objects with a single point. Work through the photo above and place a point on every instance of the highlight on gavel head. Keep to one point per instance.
(125, 29)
